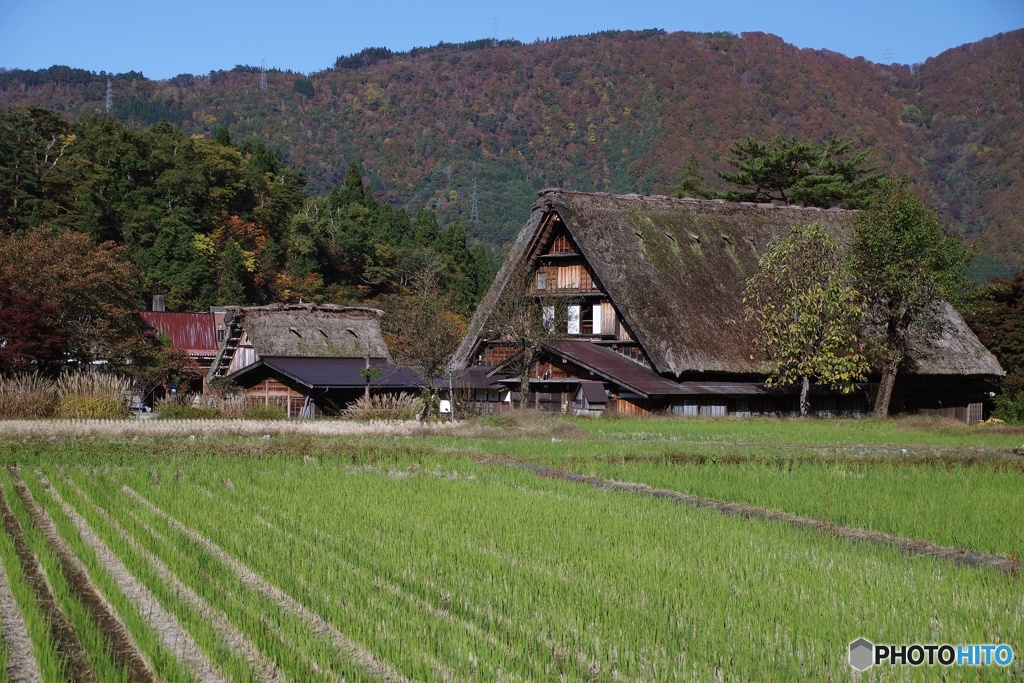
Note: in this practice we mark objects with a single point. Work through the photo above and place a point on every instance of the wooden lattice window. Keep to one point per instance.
(562, 245)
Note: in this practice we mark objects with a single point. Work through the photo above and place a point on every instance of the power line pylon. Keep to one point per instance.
(474, 210)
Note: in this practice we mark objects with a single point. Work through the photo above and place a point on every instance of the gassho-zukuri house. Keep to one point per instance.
(306, 359)
(653, 292)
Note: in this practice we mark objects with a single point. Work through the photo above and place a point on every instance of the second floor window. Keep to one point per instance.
(542, 280)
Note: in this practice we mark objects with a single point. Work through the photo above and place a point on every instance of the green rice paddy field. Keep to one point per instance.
(431, 554)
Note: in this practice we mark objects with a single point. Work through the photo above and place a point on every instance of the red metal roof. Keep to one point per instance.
(196, 333)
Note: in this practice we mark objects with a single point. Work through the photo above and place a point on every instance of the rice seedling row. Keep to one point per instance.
(287, 641)
(977, 508)
(290, 569)
(131, 636)
(55, 644)
(316, 608)
(656, 588)
(271, 591)
(378, 577)
(214, 629)
(17, 631)
(177, 645)
(361, 560)
(84, 649)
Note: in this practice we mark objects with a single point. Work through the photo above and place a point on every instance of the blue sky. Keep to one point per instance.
(168, 38)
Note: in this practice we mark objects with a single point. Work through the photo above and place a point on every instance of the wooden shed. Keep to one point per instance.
(314, 386)
(306, 358)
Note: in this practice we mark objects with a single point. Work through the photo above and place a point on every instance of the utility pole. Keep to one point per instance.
(368, 374)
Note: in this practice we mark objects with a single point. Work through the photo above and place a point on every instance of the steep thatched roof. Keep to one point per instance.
(676, 269)
(952, 349)
(309, 330)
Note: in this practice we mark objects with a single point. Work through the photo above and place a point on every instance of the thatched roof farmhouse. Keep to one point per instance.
(306, 358)
(659, 282)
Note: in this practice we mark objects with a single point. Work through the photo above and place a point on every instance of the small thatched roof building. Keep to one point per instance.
(660, 281)
(307, 359)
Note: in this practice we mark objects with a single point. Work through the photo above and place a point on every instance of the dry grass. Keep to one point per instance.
(61, 429)
(945, 425)
(92, 395)
(401, 406)
(522, 424)
(231, 407)
(26, 397)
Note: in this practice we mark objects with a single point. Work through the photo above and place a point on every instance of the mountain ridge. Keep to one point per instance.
(615, 111)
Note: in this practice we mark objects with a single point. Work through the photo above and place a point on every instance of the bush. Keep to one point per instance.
(201, 407)
(1009, 405)
(90, 408)
(401, 406)
(1009, 408)
(92, 395)
(184, 406)
(265, 413)
(26, 396)
(187, 412)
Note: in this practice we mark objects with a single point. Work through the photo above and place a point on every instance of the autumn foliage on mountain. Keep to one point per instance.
(617, 111)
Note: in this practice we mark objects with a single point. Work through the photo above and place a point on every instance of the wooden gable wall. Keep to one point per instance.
(559, 269)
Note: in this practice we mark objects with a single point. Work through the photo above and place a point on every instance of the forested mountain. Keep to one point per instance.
(617, 111)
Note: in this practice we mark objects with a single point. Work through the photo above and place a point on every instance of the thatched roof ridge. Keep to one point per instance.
(676, 269)
(311, 330)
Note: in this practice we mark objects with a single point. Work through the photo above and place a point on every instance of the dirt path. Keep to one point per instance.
(267, 671)
(69, 647)
(908, 545)
(123, 649)
(359, 654)
(174, 636)
(21, 660)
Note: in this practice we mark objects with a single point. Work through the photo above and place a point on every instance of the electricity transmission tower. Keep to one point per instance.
(110, 96)
(474, 210)
(494, 31)
(263, 75)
